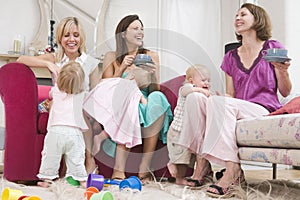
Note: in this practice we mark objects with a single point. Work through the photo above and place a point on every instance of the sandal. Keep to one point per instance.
(196, 183)
(223, 192)
(116, 178)
(208, 178)
(146, 178)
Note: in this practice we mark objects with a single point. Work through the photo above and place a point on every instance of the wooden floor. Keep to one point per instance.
(282, 174)
(264, 172)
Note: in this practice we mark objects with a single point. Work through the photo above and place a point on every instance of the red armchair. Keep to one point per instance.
(25, 127)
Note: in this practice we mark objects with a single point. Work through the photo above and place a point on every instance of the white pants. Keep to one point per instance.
(212, 123)
(67, 141)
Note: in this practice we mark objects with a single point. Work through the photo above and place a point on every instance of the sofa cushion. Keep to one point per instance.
(278, 131)
(270, 155)
(43, 92)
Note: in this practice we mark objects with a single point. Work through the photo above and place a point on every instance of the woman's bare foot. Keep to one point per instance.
(203, 168)
(231, 176)
(145, 177)
(98, 139)
(119, 175)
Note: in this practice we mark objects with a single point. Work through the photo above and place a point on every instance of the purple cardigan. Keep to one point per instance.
(257, 84)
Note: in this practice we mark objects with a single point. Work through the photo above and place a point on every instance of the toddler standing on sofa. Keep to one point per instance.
(197, 80)
(65, 127)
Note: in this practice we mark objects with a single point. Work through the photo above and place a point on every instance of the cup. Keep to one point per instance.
(22, 197)
(143, 57)
(19, 44)
(89, 192)
(132, 182)
(31, 51)
(95, 180)
(103, 195)
(11, 194)
(276, 52)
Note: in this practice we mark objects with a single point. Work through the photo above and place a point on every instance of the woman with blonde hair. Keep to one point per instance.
(71, 42)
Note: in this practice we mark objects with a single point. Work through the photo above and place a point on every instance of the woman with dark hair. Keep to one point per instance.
(154, 114)
(251, 91)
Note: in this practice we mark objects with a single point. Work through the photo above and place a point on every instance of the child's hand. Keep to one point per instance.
(143, 100)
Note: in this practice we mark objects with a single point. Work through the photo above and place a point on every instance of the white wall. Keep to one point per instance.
(23, 17)
(18, 17)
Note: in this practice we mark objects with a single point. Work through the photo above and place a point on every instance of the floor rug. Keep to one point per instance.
(61, 190)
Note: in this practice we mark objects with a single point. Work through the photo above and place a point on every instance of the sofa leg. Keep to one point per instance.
(274, 165)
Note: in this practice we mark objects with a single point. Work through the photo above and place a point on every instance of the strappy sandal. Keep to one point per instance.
(197, 183)
(221, 192)
(226, 192)
(146, 178)
(208, 178)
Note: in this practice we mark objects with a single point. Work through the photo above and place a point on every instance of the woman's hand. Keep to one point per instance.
(149, 67)
(53, 68)
(127, 61)
(282, 67)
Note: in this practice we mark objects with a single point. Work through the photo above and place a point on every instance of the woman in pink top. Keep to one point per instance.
(251, 90)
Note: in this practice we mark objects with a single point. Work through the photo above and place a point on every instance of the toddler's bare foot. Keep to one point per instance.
(44, 183)
(181, 181)
(83, 184)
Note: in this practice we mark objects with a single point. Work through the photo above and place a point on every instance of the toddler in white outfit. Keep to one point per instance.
(65, 127)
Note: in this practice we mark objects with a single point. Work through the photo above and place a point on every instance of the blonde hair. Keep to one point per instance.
(196, 68)
(71, 78)
(62, 29)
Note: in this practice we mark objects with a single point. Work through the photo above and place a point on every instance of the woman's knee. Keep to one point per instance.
(196, 98)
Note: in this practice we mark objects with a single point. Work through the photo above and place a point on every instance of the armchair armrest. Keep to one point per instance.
(170, 89)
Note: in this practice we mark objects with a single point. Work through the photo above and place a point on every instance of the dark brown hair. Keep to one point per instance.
(121, 47)
(262, 23)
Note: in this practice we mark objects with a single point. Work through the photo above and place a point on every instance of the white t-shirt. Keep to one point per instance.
(88, 64)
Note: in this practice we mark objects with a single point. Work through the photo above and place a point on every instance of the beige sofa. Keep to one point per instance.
(272, 139)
